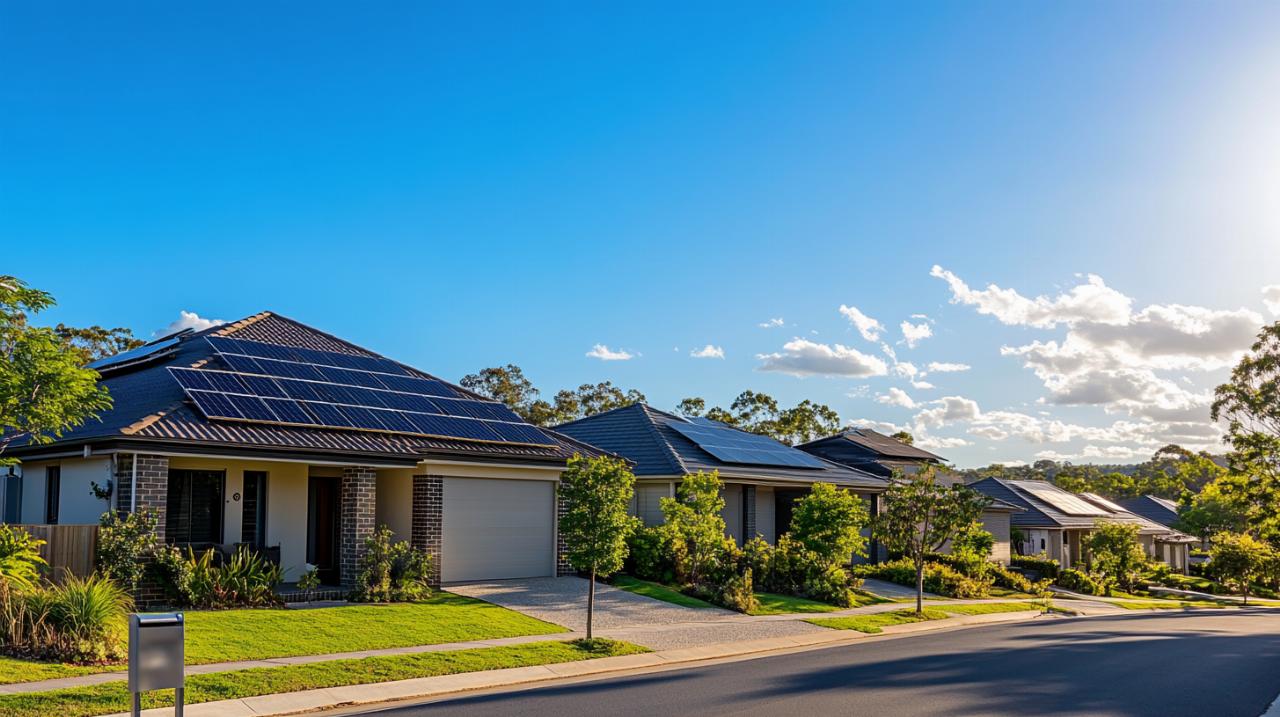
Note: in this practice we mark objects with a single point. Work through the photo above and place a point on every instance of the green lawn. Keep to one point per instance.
(233, 635)
(876, 623)
(657, 591)
(986, 608)
(775, 604)
(114, 697)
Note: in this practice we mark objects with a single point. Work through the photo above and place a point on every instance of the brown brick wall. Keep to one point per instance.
(427, 533)
(359, 513)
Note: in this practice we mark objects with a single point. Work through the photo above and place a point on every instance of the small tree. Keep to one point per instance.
(595, 525)
(827, 522)
(920, 515)
(972, 549)
(1115, 552)
(694, 517)
(1239, 559)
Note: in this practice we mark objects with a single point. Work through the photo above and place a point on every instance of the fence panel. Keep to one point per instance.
(67, 548)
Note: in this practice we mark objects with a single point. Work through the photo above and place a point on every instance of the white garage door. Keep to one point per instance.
(497, 529)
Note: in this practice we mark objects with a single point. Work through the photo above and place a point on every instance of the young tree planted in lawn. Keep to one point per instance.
(920, 515)
(1115, 552)
(595, 525)
(694, 516)
(44, 390)
(1238, 560)
(828, 522)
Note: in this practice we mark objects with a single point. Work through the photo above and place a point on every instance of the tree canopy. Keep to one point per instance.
(759, 413)
(44, 389)
(596, 524)
(509, 385)
(95, 342)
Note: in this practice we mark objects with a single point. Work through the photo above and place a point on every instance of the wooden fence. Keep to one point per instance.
(67, 548)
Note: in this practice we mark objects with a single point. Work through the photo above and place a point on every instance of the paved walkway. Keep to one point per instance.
(892, 591)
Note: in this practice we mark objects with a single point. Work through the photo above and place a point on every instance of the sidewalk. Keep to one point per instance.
(382, 692)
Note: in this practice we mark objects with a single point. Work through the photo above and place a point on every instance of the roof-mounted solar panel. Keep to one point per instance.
(733, 446)
(146, 352)
(1068, 503)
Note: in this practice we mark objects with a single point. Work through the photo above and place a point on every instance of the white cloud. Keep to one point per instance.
(188, 320)
(896, 397)
(1271, 297)
(604, 353)
(922, 385)
(708, 351)
(905, 369)
(801, 357)
(867, 326)
(771, 323)
(947, 410)
(915, 333)
(934, 443)
(1091, 301)
(885, 427)
(942, 367)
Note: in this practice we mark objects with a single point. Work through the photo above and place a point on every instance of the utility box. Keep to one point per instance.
(156, 653)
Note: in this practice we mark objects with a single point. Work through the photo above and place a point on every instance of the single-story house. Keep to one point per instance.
(271, 434)
(874, 452)
(762, 477)
(1158, 510)
(1055, 521)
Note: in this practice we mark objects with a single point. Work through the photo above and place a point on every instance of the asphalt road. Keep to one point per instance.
(1198, 664)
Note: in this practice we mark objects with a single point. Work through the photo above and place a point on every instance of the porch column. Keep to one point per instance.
(427, 531)
(153, 486)
(359, 511)
(748, 513)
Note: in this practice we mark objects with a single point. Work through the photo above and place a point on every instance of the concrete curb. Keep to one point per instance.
(426, 687)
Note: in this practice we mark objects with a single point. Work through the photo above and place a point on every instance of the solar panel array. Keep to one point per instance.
(268, 383)
(131, 355)
(1062, 500)
(1105, 503)
(733, 446)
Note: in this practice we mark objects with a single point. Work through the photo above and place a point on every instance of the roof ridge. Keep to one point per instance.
(673, 456)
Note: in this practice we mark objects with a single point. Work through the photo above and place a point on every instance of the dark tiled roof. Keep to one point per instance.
(1040, 514)
(1160, 510)
(644, 436)
(149, 404)
(881, 445)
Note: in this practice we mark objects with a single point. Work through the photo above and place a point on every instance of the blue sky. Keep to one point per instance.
(459, 189)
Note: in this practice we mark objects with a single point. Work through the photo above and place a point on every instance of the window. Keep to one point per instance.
(253, 509)
(52, 491)
(194, 507)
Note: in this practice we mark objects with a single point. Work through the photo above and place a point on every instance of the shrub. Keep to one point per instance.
(738, 593)
(1081, 582)
(971, 550)
(1006, 578)
(694, 518)
(939, 579)
(20, 561)
(833, 585)
(245, 580)
(827, 522)
(125, 544)
(654, 555)
(81, 620)
(392, 572)
(1115, 552)
(1046, 566)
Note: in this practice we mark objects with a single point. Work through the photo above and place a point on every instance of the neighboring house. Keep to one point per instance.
(1055, 522)
(874, 452)
(268, 433)
(762, 477)
(1157, 510)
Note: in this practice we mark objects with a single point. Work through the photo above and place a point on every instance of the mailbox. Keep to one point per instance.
(156, 655)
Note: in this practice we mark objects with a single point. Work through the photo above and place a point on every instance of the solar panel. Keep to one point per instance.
(138, 354)
(1060, 499)
(733, 446)
(1105, 503)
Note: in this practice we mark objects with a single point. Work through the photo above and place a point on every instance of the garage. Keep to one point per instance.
(497, 529)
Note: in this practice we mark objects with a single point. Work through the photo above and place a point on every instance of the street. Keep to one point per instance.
(1207, 663)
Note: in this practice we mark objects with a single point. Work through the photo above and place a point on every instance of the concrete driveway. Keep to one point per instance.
(626, 616)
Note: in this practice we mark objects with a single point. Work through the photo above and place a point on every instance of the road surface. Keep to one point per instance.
(1198, 664)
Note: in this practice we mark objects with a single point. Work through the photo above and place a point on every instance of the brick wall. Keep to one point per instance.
(359, 513)
(427, 533)
(153, 494)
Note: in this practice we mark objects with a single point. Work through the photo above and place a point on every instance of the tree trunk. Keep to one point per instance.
(591, 601)
(919, 588)
(1246, 593)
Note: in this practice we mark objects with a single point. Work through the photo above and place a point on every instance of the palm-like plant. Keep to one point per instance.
(20, 561)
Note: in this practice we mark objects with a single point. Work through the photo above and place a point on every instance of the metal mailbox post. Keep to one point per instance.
(156, 656)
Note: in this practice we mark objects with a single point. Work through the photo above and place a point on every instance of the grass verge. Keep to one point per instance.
(874, 624)
(114, 697)
(657, 591)
(233, 635)
(775, 604)
(986, 608)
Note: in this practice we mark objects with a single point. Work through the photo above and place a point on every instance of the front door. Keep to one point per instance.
(323, 496)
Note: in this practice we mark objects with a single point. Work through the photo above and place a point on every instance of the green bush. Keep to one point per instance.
(971, 551)
(245, 580)
(827, 522)
(20, 561)
(1081, 582)
(1043, 564)
(790, 569)
(655, 555)
(392, 572)
(738, 593)
(81, 620)
(1006, 578)
(939, 578)
(125, 544)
